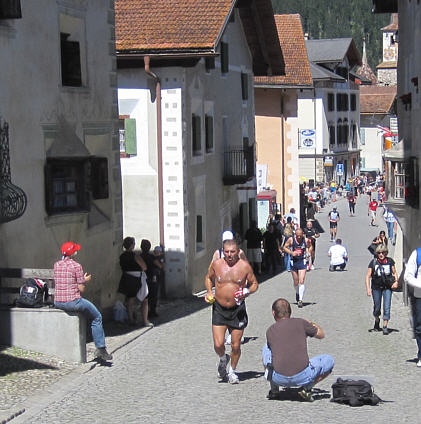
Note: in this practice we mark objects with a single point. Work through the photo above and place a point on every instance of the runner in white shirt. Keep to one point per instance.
(338, 256)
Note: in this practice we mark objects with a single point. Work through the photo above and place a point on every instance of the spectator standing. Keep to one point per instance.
(372, 210)
(412, 277)
(285, 355)
(311, 235)
(382, 273)
(70, 283)
(254, 239)
(288, 232)
(131, 286)
(158, 271)
(338, 256)
(294, 218)
(153, 287)
(390, 219)
(272, 248)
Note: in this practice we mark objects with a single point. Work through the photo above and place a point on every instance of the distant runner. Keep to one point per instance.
(333, 218)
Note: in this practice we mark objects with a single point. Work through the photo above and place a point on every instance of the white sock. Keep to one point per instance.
(301, 290)
(231, 370)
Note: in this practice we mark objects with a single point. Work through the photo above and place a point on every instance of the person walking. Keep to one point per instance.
(272, 248)
(288, 232)
(412, 277)
(384, 278)
(254, 239)
(234, 280)
(296, 246)
(372, 210)
(351, 203)
(285, 355)
(70, 282)
(333, 218)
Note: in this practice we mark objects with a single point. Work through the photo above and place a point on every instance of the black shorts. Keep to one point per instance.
(333, 225)
(235, 317)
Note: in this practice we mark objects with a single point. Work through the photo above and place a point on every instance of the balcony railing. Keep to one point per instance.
(239, 165)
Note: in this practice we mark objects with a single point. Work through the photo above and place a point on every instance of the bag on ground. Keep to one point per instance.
(354, 393)
(32, 294)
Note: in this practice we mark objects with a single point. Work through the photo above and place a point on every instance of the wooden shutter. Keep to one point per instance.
(209, 132)
(196, 132)
(244, 86)
(130, 136)
(99, 178)
(224, 58)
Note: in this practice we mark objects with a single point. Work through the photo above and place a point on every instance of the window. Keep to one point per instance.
(345, 101)
(330, 102)
(209, 133)
(342, 71)
(345, 128)
(209, 63)
(70, 184)
(10, 9)
(224, 58)
(332, 135)
(244, 86)
(339, 131)
(353, 102)
(244, 218)
(127, 132)
(338, 102)
(72, 51)
(196, 135)
(199, 229)
(362, 132)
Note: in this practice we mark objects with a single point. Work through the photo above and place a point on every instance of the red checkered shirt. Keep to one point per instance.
(68, 274)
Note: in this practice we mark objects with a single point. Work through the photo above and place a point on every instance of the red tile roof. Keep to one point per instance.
(377, 98)
(297, 65)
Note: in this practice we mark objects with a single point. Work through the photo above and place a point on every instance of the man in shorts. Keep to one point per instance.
(311, 235)
(372, 210)
(296, 246)
(333, 218)
(254, 239)
(234, 280)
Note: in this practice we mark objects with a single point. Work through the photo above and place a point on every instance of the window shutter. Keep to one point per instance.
(48, 188)
(209, 132)
(99, 178)
(244, 86)
(209, 63)
(130, 135)
(224, 58)
(196, 130)
(10, 9)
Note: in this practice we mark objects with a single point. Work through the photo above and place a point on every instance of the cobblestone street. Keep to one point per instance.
(168, 374)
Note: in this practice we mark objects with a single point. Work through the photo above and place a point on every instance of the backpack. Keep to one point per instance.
(32, 293)
(354, 393)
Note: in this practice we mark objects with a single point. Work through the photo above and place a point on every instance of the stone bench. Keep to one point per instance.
(47, 330)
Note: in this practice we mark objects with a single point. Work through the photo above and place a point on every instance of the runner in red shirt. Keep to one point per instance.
(372, 208)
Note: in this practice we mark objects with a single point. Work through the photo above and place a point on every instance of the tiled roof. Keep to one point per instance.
(394, 23)
(169, 24)
(196, 26)
(322, 74)
(297, 66)
(377, 98)
(392, 64)
(332, 50)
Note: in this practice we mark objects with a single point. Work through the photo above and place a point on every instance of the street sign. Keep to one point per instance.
(308, 139)
(339, 169)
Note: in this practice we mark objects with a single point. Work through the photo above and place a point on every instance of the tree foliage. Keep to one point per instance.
(338, 19)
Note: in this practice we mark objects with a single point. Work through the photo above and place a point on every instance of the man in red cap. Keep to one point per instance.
(70, 282)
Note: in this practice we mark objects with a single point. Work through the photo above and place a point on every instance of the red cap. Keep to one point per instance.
(68, 248)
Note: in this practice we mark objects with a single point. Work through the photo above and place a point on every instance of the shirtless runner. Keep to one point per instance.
(234, 280)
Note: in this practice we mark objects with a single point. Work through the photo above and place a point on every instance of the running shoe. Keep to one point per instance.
(312, 267)
(300, 303)
(233, 378)
(222, 367)
(386, 331)
(101, 353)
(305, 394)
(419, 363)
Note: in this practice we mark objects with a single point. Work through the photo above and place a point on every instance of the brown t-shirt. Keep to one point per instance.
(287, 339)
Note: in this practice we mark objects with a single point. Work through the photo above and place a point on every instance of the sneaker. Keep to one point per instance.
(233, 378)
(377, 326)
(385, 331)
(312, 267)
(222, 367)
(273, 394)
(300, 303)
(305, 394)
(419, 363)
(148, 324)
(101, 353)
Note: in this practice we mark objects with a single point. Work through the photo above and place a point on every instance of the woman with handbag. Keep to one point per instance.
(384, 278)
(381, 239)
(133, 266)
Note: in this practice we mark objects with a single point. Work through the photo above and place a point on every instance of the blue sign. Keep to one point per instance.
(340, 169)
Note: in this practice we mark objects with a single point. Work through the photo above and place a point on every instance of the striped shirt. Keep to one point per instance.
(68, 274)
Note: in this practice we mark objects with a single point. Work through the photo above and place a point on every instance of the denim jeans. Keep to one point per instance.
(91, 312)
(416, 316)
(319, 365)
(390, 230)
(287, 261)
(377, 295)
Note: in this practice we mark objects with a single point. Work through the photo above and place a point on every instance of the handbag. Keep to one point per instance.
(372, 248)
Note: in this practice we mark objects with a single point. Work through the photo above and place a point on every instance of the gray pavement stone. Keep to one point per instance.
(168, 375)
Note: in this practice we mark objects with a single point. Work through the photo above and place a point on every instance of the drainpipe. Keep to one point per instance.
(159, 145)
(284, 184)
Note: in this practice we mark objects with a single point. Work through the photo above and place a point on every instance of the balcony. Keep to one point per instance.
(239, 165)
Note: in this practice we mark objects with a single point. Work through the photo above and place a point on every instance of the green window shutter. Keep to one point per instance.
(224, 58)
(244, 86)
(130, 136)
(209, 132)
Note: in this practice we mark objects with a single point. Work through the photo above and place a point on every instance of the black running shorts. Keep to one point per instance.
(235, 317)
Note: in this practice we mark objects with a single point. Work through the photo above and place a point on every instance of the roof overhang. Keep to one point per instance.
(385, 6)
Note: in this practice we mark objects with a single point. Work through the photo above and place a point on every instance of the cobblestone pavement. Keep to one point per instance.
(168, 375)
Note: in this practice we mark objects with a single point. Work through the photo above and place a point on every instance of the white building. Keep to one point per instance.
(188, 170)
(59, 144)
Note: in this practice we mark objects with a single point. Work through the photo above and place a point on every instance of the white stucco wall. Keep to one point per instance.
(371, 151)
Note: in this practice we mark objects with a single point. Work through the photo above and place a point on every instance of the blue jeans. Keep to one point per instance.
(390, 230)
(377, 295)
(91, 312)
(287, 261)
(319, 365)
(416, 317)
